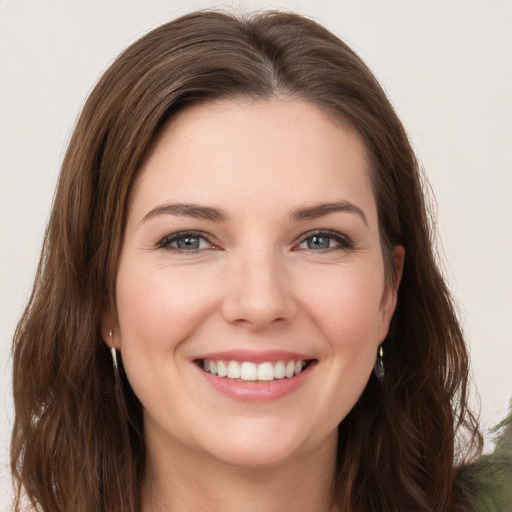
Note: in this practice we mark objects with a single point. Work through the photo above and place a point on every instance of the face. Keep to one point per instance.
(251, 290)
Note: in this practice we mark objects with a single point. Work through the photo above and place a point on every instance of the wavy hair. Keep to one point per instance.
(78, 441)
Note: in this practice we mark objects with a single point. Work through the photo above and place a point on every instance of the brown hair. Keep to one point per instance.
(78, 441)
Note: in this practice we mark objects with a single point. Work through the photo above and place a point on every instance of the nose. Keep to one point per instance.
(258, 292)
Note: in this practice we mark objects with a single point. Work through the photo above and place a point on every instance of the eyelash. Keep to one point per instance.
(342, 241)
(166, 242)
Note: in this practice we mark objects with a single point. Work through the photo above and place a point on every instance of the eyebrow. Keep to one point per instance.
(187, 210)
(219, 215)
(322, 209)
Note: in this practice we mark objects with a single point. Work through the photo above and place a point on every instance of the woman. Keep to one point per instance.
(237, 305)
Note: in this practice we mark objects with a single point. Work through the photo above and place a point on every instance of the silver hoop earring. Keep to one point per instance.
(113, 353)
(378, 367)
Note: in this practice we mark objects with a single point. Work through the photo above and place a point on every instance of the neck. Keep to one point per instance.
(181, 480)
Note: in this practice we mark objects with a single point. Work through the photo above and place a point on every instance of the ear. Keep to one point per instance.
(389, 297)
(110, 330)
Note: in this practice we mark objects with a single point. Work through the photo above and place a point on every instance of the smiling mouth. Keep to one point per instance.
(248, 371)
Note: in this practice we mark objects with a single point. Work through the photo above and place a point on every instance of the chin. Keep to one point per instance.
(262, 446)
(254, 456)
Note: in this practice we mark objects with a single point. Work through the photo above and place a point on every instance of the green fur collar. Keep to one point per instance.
(486, 484)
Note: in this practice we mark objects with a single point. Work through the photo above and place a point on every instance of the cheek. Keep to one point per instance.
(158, 308)
(347, 306)
(348, 311)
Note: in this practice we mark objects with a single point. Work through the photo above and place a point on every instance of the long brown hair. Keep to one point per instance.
(78, 440)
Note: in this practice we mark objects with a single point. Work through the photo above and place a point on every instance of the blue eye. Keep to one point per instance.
(325, 241)
(185, 242)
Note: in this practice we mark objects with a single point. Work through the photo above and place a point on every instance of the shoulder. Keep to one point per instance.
(486, 484)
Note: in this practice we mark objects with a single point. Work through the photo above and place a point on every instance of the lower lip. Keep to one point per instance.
(257, 391)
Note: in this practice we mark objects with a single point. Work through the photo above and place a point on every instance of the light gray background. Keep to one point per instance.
(446, 66)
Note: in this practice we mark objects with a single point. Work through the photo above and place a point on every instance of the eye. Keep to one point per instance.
(186, 241)
(324, 241)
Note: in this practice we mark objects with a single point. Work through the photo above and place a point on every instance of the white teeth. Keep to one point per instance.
(265, 371)
(290, 369)
(233, 370)
(248, 370)
(222, 370)
(279, 372)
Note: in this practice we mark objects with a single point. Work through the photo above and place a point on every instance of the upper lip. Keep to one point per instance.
(254, 356)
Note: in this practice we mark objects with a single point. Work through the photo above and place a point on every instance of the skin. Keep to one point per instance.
(258, 282)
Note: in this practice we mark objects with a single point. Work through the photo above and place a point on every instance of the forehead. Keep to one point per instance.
(252, 151)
